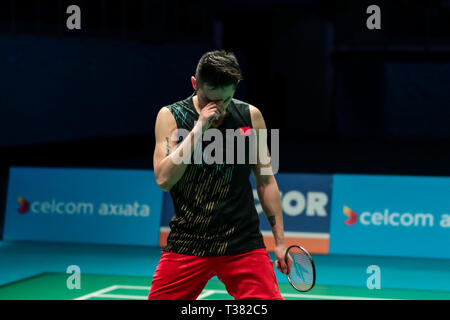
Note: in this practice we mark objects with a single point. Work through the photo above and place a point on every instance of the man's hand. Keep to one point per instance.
(207, 115)
(280, 263)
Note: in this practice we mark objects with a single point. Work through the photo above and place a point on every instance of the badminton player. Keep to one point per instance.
(215, 228)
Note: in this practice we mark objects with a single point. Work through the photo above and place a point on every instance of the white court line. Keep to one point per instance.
(313, 296)
(206, 293)
(295, 295)
(102, 293)
(122, 296)
(96, 293)
(119, 286)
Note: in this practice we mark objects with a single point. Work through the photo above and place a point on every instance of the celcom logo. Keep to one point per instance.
(388, 218)
(83, 208)
(352, 216)
(61, 207)
(24, 205)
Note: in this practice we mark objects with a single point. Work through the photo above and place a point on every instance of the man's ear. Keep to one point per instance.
(194, 83)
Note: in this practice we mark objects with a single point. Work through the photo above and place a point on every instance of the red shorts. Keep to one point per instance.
(249, 275)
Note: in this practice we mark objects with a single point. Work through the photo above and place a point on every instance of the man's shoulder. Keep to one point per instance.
(238, 102)
(178, 104)
(246, 106)
(240, 105)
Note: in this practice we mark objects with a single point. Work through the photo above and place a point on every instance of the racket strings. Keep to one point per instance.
(302, 273)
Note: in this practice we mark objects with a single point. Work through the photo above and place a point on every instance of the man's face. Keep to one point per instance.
(221, 96)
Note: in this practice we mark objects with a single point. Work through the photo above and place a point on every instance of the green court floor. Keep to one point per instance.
(53, 286)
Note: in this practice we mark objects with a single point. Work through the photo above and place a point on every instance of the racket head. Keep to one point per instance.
(302, 276)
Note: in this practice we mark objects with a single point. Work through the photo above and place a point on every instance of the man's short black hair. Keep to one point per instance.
(218, 69)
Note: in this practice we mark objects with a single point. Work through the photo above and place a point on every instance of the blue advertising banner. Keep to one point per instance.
(306, 204)
(391, 216)
(83, 205)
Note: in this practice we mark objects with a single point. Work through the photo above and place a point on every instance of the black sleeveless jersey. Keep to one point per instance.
(215, 212)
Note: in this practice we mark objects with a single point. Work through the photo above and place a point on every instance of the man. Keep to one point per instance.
(215, 229)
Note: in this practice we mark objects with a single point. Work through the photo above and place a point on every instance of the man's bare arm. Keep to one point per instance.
(169, 159)
(268, 192)
(166, 172)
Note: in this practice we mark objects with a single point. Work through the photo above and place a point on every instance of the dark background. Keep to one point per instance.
(345, 98)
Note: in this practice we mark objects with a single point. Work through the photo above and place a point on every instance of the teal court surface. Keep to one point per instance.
(38, 271)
